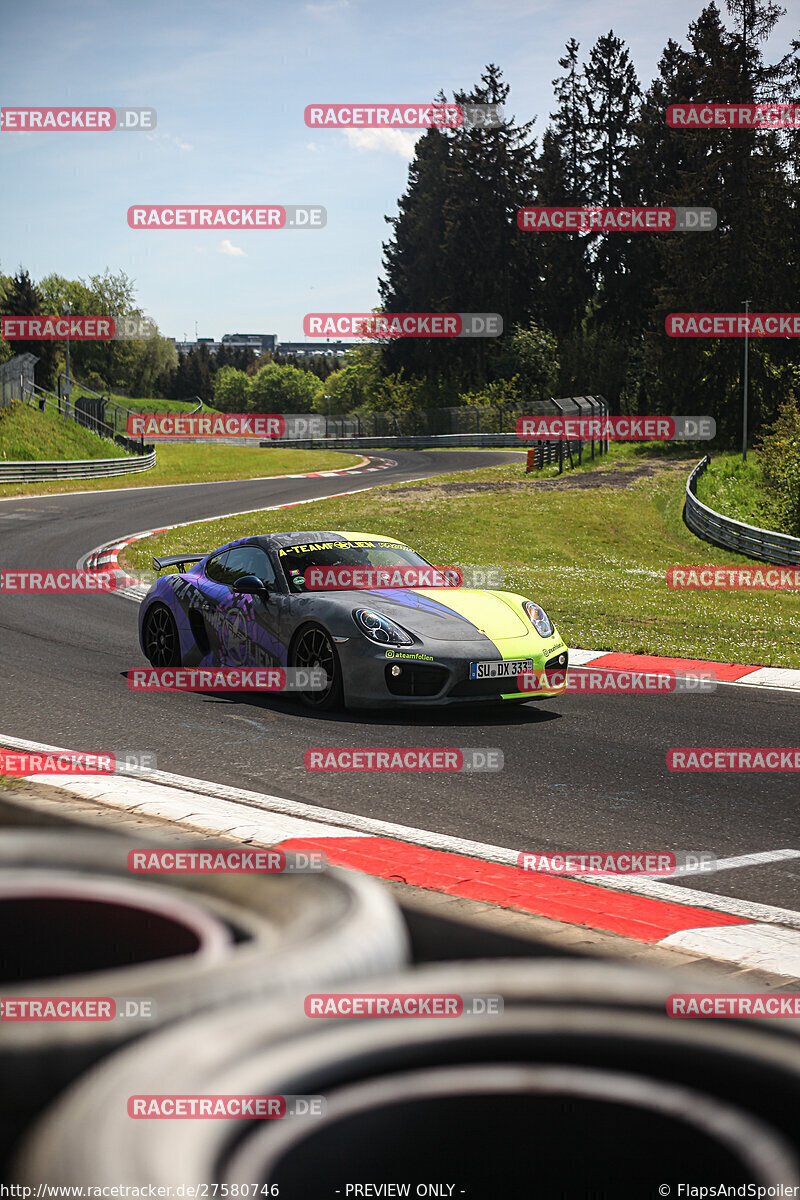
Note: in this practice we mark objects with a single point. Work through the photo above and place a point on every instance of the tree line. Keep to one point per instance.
(454, 245)
(583, 313)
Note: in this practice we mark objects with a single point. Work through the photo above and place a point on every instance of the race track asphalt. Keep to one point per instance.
(582, 772)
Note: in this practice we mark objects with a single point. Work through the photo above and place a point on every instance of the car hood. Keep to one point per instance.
(447, 614)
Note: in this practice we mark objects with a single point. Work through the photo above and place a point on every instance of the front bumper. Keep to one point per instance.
(438, 674)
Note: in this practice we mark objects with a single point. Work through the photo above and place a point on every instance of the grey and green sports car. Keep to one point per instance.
(246, 604)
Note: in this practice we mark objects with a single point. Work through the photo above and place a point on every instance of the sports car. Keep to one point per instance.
(247, 604)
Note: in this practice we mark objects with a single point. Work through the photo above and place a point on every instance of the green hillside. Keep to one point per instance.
(32, 436)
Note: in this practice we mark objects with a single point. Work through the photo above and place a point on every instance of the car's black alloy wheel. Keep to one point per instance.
(314, 648)
(160, 636)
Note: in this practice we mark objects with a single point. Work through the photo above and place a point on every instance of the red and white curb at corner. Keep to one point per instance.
(107, 555)
(649, 910)
(727, 674)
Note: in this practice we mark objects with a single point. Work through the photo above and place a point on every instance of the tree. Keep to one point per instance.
(21, 299)
(530, 356)
(612, 94)
(456, 245)
(276, 389)
(570, 125)
(565, 269)
(778, 454)
(231, 390)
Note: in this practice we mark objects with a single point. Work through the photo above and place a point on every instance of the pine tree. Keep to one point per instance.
(456, 244)
(612, 96)
(21, 299)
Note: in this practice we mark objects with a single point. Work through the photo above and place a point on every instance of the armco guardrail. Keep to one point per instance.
(713, 527)
(399, 443)
(545, 452)
(87, 468)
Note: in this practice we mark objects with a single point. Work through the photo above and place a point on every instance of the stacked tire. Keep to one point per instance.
(582, 1087)
(76, 923)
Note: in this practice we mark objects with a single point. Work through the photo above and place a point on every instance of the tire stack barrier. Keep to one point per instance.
(77, 923)
(582, 1087)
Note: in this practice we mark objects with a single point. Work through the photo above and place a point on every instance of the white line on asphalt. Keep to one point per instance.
(746, 860)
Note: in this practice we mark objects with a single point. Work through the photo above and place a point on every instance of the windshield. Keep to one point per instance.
(296, 560)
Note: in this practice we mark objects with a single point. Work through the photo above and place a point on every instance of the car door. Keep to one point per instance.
(248, 626)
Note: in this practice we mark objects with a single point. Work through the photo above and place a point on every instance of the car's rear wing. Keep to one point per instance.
(176, 560)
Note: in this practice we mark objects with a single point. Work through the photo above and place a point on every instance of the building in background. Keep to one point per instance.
(301, 349)
(258, 342)
(261, 343)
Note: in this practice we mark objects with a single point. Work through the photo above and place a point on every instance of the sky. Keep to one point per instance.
(230, 80)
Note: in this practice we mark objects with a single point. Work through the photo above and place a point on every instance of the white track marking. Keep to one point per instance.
(770, 940)
(747, 860)
(761, 946)
(346, 824)
(578, 658)
(186, 808)
(774, 677)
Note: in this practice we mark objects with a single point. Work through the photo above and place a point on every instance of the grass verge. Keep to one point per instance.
(735, 489)
(196, 462)
(28, 435)
(148, 404)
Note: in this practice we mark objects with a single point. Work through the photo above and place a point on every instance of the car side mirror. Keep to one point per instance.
(250, 585)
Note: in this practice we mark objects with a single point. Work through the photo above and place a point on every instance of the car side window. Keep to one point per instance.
(249, 560)
(216, 568)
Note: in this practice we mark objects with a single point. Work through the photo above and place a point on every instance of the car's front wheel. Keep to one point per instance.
(162, 646)
(313, 648)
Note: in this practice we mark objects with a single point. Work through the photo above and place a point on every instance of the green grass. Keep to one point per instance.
(619, 454)
(595, 558)
(148, 404)
(32, 436)
(735, 489)
(191, 462)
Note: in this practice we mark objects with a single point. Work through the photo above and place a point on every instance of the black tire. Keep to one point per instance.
(732, 1086)
(162, 645)
(279, 931)
(312, 646)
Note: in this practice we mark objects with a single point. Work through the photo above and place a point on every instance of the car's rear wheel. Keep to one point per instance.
(313, 648)
(162, 646)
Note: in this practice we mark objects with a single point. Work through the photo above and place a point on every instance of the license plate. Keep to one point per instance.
(499, 670)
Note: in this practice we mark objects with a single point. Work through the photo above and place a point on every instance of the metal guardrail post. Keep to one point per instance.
(92, 468)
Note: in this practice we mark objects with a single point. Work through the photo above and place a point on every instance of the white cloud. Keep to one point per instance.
(330, 7)
(157, 135)
(227, 247)
(393, 141)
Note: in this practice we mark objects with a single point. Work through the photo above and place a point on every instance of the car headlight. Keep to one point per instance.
(380, 629)
(538, 618)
